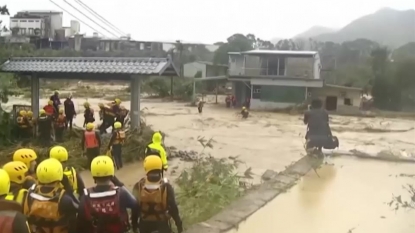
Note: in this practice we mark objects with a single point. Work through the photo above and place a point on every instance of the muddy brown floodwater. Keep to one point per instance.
(263, 141)
(348, 197)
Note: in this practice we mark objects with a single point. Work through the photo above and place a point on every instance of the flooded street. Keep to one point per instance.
(263, 141)
(348, 197)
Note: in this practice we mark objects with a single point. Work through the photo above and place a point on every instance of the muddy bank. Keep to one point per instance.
(349, 196)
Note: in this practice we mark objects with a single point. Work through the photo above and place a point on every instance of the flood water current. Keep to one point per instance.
(349, 196)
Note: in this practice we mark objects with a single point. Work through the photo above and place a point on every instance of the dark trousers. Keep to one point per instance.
(150, 227)
(200, 109)
(116, 154)
(44, 138)
(69, 121)
(59, 134)
(91, 153)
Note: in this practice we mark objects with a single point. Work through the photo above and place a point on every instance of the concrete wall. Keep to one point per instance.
(27, 26)
(257, 104)
(340, 93)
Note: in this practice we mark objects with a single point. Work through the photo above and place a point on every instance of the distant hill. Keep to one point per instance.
(314, 31)
(387, 26)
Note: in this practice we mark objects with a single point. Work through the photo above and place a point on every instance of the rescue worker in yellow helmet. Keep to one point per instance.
(59, 126)
(47, 206)
(44, 125)
(12, 220)
(22, 125)
(244, 112)
(116, 109)
(156, 148)
(91, 141)
(115, 144)
(155, 196)
(71, 181)
(31, 122)
(103, 208)
(18, 184)
(28, 157)
(88, 114)
(50, 109)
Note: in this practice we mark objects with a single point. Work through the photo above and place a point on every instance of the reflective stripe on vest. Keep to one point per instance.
(91, 139)
(101, 194)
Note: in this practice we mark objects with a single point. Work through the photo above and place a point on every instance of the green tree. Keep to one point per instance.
(235, 43)
(286, 44)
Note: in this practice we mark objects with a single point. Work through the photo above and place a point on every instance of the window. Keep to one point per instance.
(348, 102)
(14, 20)
(256, 92)
(30, 21)
(30, 31)
(23, 21)
(22, 31)
(37, 21)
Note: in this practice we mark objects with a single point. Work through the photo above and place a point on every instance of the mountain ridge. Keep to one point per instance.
(386, 26)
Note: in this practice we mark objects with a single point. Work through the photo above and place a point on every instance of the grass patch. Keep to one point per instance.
(207, 187)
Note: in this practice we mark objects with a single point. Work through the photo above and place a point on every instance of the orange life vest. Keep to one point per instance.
(120, 138)
(21, 122)
(91, 140)
(60, 121)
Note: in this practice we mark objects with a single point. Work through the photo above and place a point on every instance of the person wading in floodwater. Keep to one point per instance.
(318, 128)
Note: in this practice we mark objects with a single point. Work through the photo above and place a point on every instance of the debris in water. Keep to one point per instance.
(268, 175)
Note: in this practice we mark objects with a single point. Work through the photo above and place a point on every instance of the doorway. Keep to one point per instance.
(331, 103)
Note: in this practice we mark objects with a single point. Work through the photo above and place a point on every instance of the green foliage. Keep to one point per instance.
(406, 52)
(236, 43)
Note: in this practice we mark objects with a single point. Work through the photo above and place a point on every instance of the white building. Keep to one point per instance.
(27, 25)
(52, 20)
(273, 79)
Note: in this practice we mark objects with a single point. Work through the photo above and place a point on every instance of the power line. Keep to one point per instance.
(90, 18)
(105, 21)
(77, 18)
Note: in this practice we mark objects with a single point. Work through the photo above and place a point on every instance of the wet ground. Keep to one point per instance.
(347, 197)
(264, 141)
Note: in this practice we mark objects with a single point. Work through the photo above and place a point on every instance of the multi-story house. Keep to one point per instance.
(273, 79)
(27, 25)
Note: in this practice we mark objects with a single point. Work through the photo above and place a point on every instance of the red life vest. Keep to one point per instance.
(103, 210)
(91, 140)
(49, 109)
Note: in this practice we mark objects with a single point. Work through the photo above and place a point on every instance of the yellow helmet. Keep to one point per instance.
(17, 171)
(61, 110)
(25, 155)
(90, 126)
(59, 153)
(4, 182)
(49, 170)
(152, 162)
(42, 112)
(50, 102)
(86, 104)
(29, 113)
(117, 101)
(22, 113)
(102, 166)
(117, 125)
(243, 108)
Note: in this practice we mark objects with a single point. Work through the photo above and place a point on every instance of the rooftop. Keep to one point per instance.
(41, 11)
(211, 63)
(275, 52)
(97, 65)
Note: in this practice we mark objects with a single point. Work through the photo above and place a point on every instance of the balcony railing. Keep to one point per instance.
(297, 73)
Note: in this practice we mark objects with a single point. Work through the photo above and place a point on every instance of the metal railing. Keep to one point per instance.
(298, 73)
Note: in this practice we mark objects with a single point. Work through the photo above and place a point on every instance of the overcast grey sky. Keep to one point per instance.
(215, 20)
